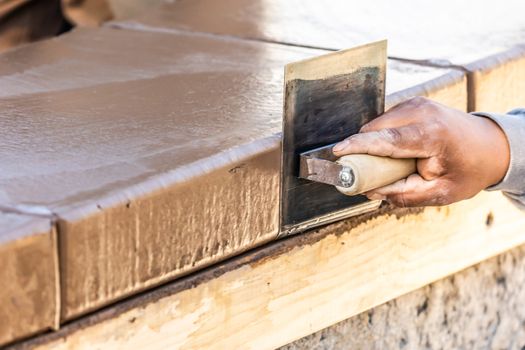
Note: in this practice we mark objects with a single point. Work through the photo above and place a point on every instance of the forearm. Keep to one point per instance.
(513, 125)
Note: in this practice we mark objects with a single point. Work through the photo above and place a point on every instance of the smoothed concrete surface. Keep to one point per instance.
(143, 144)
(441, 31)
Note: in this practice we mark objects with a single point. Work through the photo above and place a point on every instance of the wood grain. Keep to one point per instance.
(298, 286)
(497, 83)
(371, 172)
(29, 295)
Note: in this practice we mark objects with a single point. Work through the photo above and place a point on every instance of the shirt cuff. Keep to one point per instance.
(513, 125)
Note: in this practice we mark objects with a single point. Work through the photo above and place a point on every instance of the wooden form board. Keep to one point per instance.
(151, 204)
(444, 33)
(297, 286)
(449, 88)
(476, 308)
(29, 292)
(497, 83)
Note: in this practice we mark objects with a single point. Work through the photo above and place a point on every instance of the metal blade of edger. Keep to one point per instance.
(326, 99)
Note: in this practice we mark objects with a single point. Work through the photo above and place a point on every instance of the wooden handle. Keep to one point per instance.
(372, 172)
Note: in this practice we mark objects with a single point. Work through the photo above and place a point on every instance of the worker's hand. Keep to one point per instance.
(458, 154)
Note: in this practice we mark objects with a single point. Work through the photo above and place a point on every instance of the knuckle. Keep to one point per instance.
(419, 101)
(392, 135)
(432, 133)
(441, 201)
(420, 131)
(354, 139)
(442, 195)
(365, 128)
(436, 127)
(398, 200)
(437, 170)
(428, 109)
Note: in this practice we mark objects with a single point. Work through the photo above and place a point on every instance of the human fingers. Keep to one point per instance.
(404, 142)
(414, 110)
(414, 191)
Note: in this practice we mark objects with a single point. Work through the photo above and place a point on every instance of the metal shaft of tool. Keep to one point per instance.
(320, 165)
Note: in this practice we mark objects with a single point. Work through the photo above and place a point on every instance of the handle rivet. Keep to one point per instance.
(346, 177)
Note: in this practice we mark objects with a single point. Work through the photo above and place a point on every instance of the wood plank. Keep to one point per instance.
(477, 308)
(497, 83)
(29, 276)
(297, 286)
(449, 88)
(158, 152)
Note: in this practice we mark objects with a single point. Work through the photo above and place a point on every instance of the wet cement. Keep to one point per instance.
(126, 106)
(439, 31)
(15, 226)
(140, 142)
(120, 107)
(87, 57)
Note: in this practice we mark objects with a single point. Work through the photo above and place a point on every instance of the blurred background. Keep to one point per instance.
(23, 21)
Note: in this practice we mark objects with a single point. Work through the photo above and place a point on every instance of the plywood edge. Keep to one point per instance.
(449, 88)
(493, 61)
(297, 286)
(57, 277)
(30, 271)
(492, 84)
